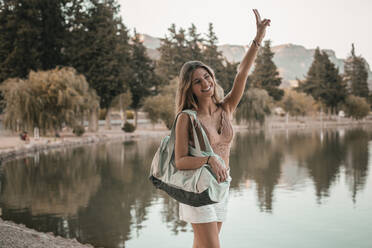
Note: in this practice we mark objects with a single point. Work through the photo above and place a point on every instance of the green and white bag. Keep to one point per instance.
(192, 187)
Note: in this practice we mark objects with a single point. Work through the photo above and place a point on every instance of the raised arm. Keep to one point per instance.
(233, 97)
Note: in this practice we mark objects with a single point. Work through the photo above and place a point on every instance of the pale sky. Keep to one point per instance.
(329, 24)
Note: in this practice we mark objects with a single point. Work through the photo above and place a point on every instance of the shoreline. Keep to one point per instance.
(17, 148)
(12, 147)
(19, 236)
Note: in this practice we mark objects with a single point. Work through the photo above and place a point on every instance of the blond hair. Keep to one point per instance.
(185, 99)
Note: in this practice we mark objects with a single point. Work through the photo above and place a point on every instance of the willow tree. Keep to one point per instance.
(254, 107)
(162, 106)
(47, 100)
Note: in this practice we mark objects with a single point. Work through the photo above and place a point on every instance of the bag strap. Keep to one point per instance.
(208, 147)
(172, 137)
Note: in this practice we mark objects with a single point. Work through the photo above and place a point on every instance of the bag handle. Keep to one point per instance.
(172, 137)
(208, 147)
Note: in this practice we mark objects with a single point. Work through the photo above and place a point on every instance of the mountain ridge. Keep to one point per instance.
(293, 61)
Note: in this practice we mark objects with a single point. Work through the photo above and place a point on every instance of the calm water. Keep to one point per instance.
(289, 189)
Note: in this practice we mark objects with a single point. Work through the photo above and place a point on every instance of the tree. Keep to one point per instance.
(323, 82)
(161, 106)
(31, 36)
(214, 59)
(356, 74)
(297, 103)
(47, 100)
(174, 52)
(254, 106)
(356, 107)
(265, 74)
(195, 44)
(143, 81)
(98, 47)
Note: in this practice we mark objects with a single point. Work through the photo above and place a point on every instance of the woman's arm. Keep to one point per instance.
(181, 154)
(233, 97)
(181, 150)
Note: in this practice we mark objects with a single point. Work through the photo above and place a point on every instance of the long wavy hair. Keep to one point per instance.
(185, 99)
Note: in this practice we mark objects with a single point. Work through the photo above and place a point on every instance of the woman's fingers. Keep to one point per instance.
(258, 17)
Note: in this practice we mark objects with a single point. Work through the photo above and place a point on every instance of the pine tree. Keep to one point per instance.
(31, 36)
(143, 80)
(194, 44)
(265, 74)
(312, 85)
(323, 82)
(356, 74)
(99, 47)
(214, 58)
(174, 53)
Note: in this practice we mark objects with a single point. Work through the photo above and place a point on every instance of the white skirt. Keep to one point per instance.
(209, 213)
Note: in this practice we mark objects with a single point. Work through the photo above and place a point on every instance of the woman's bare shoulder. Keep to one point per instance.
(182, 121)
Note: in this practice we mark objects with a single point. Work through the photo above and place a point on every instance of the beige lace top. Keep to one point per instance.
(220, 136)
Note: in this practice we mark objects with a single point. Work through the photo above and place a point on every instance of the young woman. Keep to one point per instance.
(198, 90)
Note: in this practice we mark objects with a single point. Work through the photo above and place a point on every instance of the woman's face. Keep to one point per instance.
(202, 83)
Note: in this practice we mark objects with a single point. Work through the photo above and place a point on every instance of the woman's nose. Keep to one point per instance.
(205, 83)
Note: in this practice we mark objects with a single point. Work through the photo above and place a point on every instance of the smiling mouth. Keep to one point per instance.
(206, 90)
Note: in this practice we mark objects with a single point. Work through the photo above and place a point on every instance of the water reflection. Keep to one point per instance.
(100, 194)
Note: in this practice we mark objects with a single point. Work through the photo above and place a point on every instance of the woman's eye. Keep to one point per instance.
(207, 76)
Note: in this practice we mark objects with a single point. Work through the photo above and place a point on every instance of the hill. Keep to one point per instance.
(293, 61)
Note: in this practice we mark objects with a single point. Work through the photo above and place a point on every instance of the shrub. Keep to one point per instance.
(162, 106)
(130, 115)
(128, 127)
(78, 130)
(298, 103)
(254, 107)
(356, 107)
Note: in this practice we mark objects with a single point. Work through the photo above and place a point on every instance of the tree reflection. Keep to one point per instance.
(119, 208)
(356, 162)
(257, 157)
(52, 186)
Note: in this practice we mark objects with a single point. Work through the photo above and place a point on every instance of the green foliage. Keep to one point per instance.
(47, 100)
(130, 114)
(143, 79)
(97, 46)
(298, 104)
(179, 47)
(78, 130)
(122, 101)
(31, 36)
(161, 106)
(356, 107)
(174, 52)
(128, 127)
(323, 82)
(254, 106)
(356, 74)
(265, 74)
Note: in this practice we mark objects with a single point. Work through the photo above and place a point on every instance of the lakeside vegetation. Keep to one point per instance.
(64, 62)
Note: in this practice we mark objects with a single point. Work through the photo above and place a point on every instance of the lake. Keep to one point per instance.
(297, 188)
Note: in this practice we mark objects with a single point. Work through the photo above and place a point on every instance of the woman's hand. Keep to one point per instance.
(261, 26)
(219, 170)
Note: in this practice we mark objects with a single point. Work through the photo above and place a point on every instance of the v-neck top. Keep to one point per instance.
(220, 143)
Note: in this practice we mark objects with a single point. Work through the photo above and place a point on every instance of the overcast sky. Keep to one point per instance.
(329, 24)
